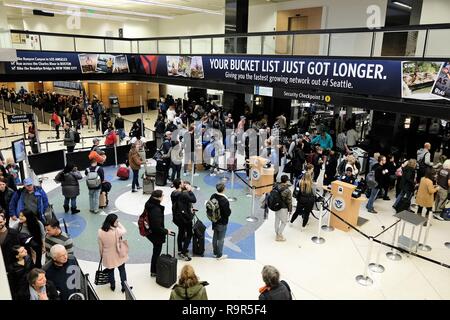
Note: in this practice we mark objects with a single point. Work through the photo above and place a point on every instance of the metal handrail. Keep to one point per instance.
(249, 34)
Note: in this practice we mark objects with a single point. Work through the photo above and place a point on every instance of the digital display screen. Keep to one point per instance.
(19, 151)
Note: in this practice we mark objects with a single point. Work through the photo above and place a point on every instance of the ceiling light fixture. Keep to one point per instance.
(401, 4)
(82, 14)
(101, 9)
(174, 6)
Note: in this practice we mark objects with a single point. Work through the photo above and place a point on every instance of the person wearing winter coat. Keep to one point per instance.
(281, 216)
(158, 233)
(305, 199)
(407, 181)
(113, 249)
(6, 195)
(70, 186)
(135, 162)
(274, 289)
(425, 194)
(188, 286)
(29, 197)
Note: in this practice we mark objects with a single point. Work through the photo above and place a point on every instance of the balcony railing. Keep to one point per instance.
(421, 41)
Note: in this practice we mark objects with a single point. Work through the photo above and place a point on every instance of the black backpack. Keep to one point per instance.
(275, 200)
(76, 137)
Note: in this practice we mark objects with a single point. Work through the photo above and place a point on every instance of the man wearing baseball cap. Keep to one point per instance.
(29, 197)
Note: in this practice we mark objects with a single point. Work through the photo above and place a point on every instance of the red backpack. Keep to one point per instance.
(144, 224)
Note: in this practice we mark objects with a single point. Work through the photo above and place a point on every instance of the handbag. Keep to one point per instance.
(101, 277)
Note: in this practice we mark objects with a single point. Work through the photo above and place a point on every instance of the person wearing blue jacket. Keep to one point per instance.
(324, 140)
(29, 197)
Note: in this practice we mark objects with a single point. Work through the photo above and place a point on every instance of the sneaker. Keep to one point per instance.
(222, 257)
(139, 188)
(372, 211)
(152, 275)
(186, 257)
(282, 238)
(96, 211)
(133, 190)
(303, 228)
(386, 198)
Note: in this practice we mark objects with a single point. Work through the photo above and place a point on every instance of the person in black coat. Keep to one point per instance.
(158, 233)
(274, 289)
(407, 181)
(6, 195)
(38, 288)
(8, 239)
(21, 265)
(330, 168)
(220, 227)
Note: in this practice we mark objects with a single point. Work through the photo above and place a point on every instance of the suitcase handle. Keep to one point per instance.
(167, 243)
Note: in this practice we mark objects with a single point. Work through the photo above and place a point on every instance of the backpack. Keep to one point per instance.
(371, 182)
(275, 201)
(144, 224)
(213, 210)
(93, 179)
(76, 137)
(422, 165)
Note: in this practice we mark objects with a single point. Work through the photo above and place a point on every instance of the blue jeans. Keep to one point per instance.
(122, 273)
(218, 239)
(121, 133)
(372, 198)
(135, 182)
(401, 195)
(94, 199)
(72, 200)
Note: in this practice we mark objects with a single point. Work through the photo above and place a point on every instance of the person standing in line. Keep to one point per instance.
(274, 289)
(176, 159)
(380, 172)
(220, 227)
(158, 233)
(407, 181)
(29, 197)
(119, 124)
(94, 184)
(90, 117)
(189, 287)
(182, 212)
(70, 186)
(34, 231)
(305, 199)
(69, 137)
(352, 138)
(8, 239)
(6, 195)
(21, 265)
(443, 181)
(135, 162)
(281, 216)
(423, 160)
(425, 193)
(56, 122)
(54, 235)
(38, 287)
(113, 249)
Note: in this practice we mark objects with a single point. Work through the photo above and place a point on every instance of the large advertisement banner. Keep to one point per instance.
(388, 78)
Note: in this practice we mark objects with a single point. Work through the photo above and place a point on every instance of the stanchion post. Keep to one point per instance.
(318, 239)
(327, 227)
(377, 267)
(4, 124)
(424, 246)
(115, 154)
(192, 174)
(252, 217)
(232, 198)
(364, 279)
(393, 254)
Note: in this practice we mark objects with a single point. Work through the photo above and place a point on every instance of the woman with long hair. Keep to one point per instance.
(188, 286)
(70, 186)
(113, 249)
(305, 199)
(21, 265)
(31, 234)
(425, 194)
(407, 181)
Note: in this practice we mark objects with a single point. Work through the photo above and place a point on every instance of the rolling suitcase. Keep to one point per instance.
(198, 238)
(161, 178)
(148, 184)
(166, 267)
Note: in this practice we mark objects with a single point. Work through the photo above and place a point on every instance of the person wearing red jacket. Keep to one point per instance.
(57, 122)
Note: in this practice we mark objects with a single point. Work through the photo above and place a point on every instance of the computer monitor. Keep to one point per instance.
(19, 151)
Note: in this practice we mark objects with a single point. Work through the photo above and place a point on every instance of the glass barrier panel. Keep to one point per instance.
(399, 43)
(134, 46)
(351, 44)
(118, 46)
(89, 45)
(54, 43)
(201, 46)
(438, 43)
(185, 46)
(148, 46)
(168, 47)
(278, 45)
(25, 42)
(254, 45)
(219, 45)
(310, 44)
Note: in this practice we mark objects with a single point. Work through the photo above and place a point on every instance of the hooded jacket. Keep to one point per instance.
(286, 195)
(17, 204)
(156, 217)
(196, 292)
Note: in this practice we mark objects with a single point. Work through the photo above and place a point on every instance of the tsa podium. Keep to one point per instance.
(345, 206)
(260, 176)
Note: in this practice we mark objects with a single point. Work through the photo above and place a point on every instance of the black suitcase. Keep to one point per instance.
(198, 238)
(148, 184)
(161, 165)
(166, 267)
(402, 205)
(161, 178)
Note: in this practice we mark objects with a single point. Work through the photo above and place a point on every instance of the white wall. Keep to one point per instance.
(435, 11)
(176, 91)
